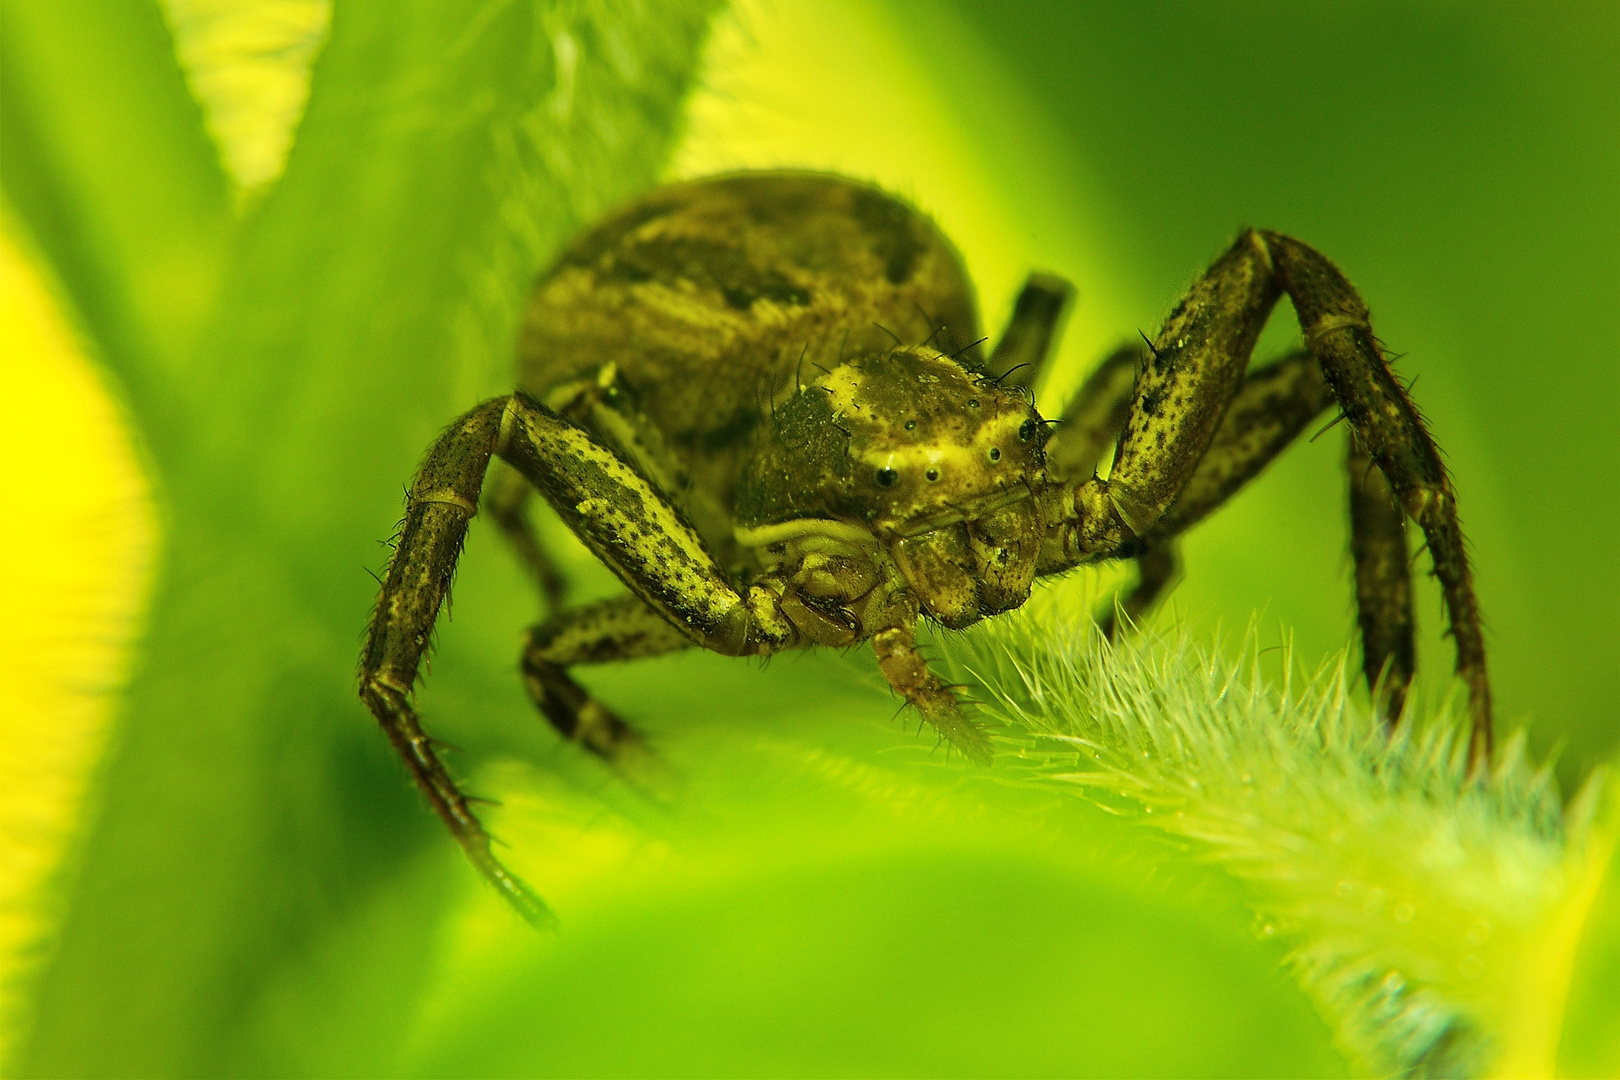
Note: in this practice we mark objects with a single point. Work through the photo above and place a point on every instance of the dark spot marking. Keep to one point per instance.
(613, 232)
(891, 226)
(708, 264)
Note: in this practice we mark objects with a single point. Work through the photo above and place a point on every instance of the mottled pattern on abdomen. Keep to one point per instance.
(711, 297)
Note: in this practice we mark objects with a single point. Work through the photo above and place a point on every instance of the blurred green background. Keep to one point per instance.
(253, 889)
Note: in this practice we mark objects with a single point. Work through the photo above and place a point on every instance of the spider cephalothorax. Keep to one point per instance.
(911, 455)
(887, 482)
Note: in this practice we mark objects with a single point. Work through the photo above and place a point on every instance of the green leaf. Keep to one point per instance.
(250, 813)
(1587, 981)
(107, 165)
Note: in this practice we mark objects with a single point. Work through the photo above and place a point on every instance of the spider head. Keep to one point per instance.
(937, 462)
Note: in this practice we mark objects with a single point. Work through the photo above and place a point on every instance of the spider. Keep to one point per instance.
(713, 396)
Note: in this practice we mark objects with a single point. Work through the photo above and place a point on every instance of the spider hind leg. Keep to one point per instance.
(623, 628)
(1383, 585)
(507, 503)
(1020, 357)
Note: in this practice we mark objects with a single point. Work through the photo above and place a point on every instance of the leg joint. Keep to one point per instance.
(448, 497)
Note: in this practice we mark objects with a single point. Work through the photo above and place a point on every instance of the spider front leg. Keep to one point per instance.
(614, 511)
(1271, 408)
(441, 500)
(1089, 427)
(1189, 380)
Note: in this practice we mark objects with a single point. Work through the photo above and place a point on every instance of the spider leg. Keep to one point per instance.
(1090, 425)
(1383, 585)
(907, 671)
(608, 407)
(613, 509)
(1194, 371)
(1094, 417)
(1020, 356)
(623, 628)
(1271, 408)
(1390, 432)
(1157, 570)
(442, 499)
(605, 406)
(507, 502)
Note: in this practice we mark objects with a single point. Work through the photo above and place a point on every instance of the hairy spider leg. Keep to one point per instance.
(605, 406)
(907, 670)
(609, 408)
(1191, 376)
(621, 628)
(1387, 428)
(625, 628)
(441, 500)
(610, 506)
(507, 496)
(1271, 408)
(1383, 584)
(1090, 425)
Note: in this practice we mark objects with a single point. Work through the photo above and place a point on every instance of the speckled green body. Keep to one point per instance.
(717, 299)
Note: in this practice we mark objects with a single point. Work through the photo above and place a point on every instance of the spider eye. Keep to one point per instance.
(995, 453)
(1026, 430)
(931, 475)
(887, 477)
